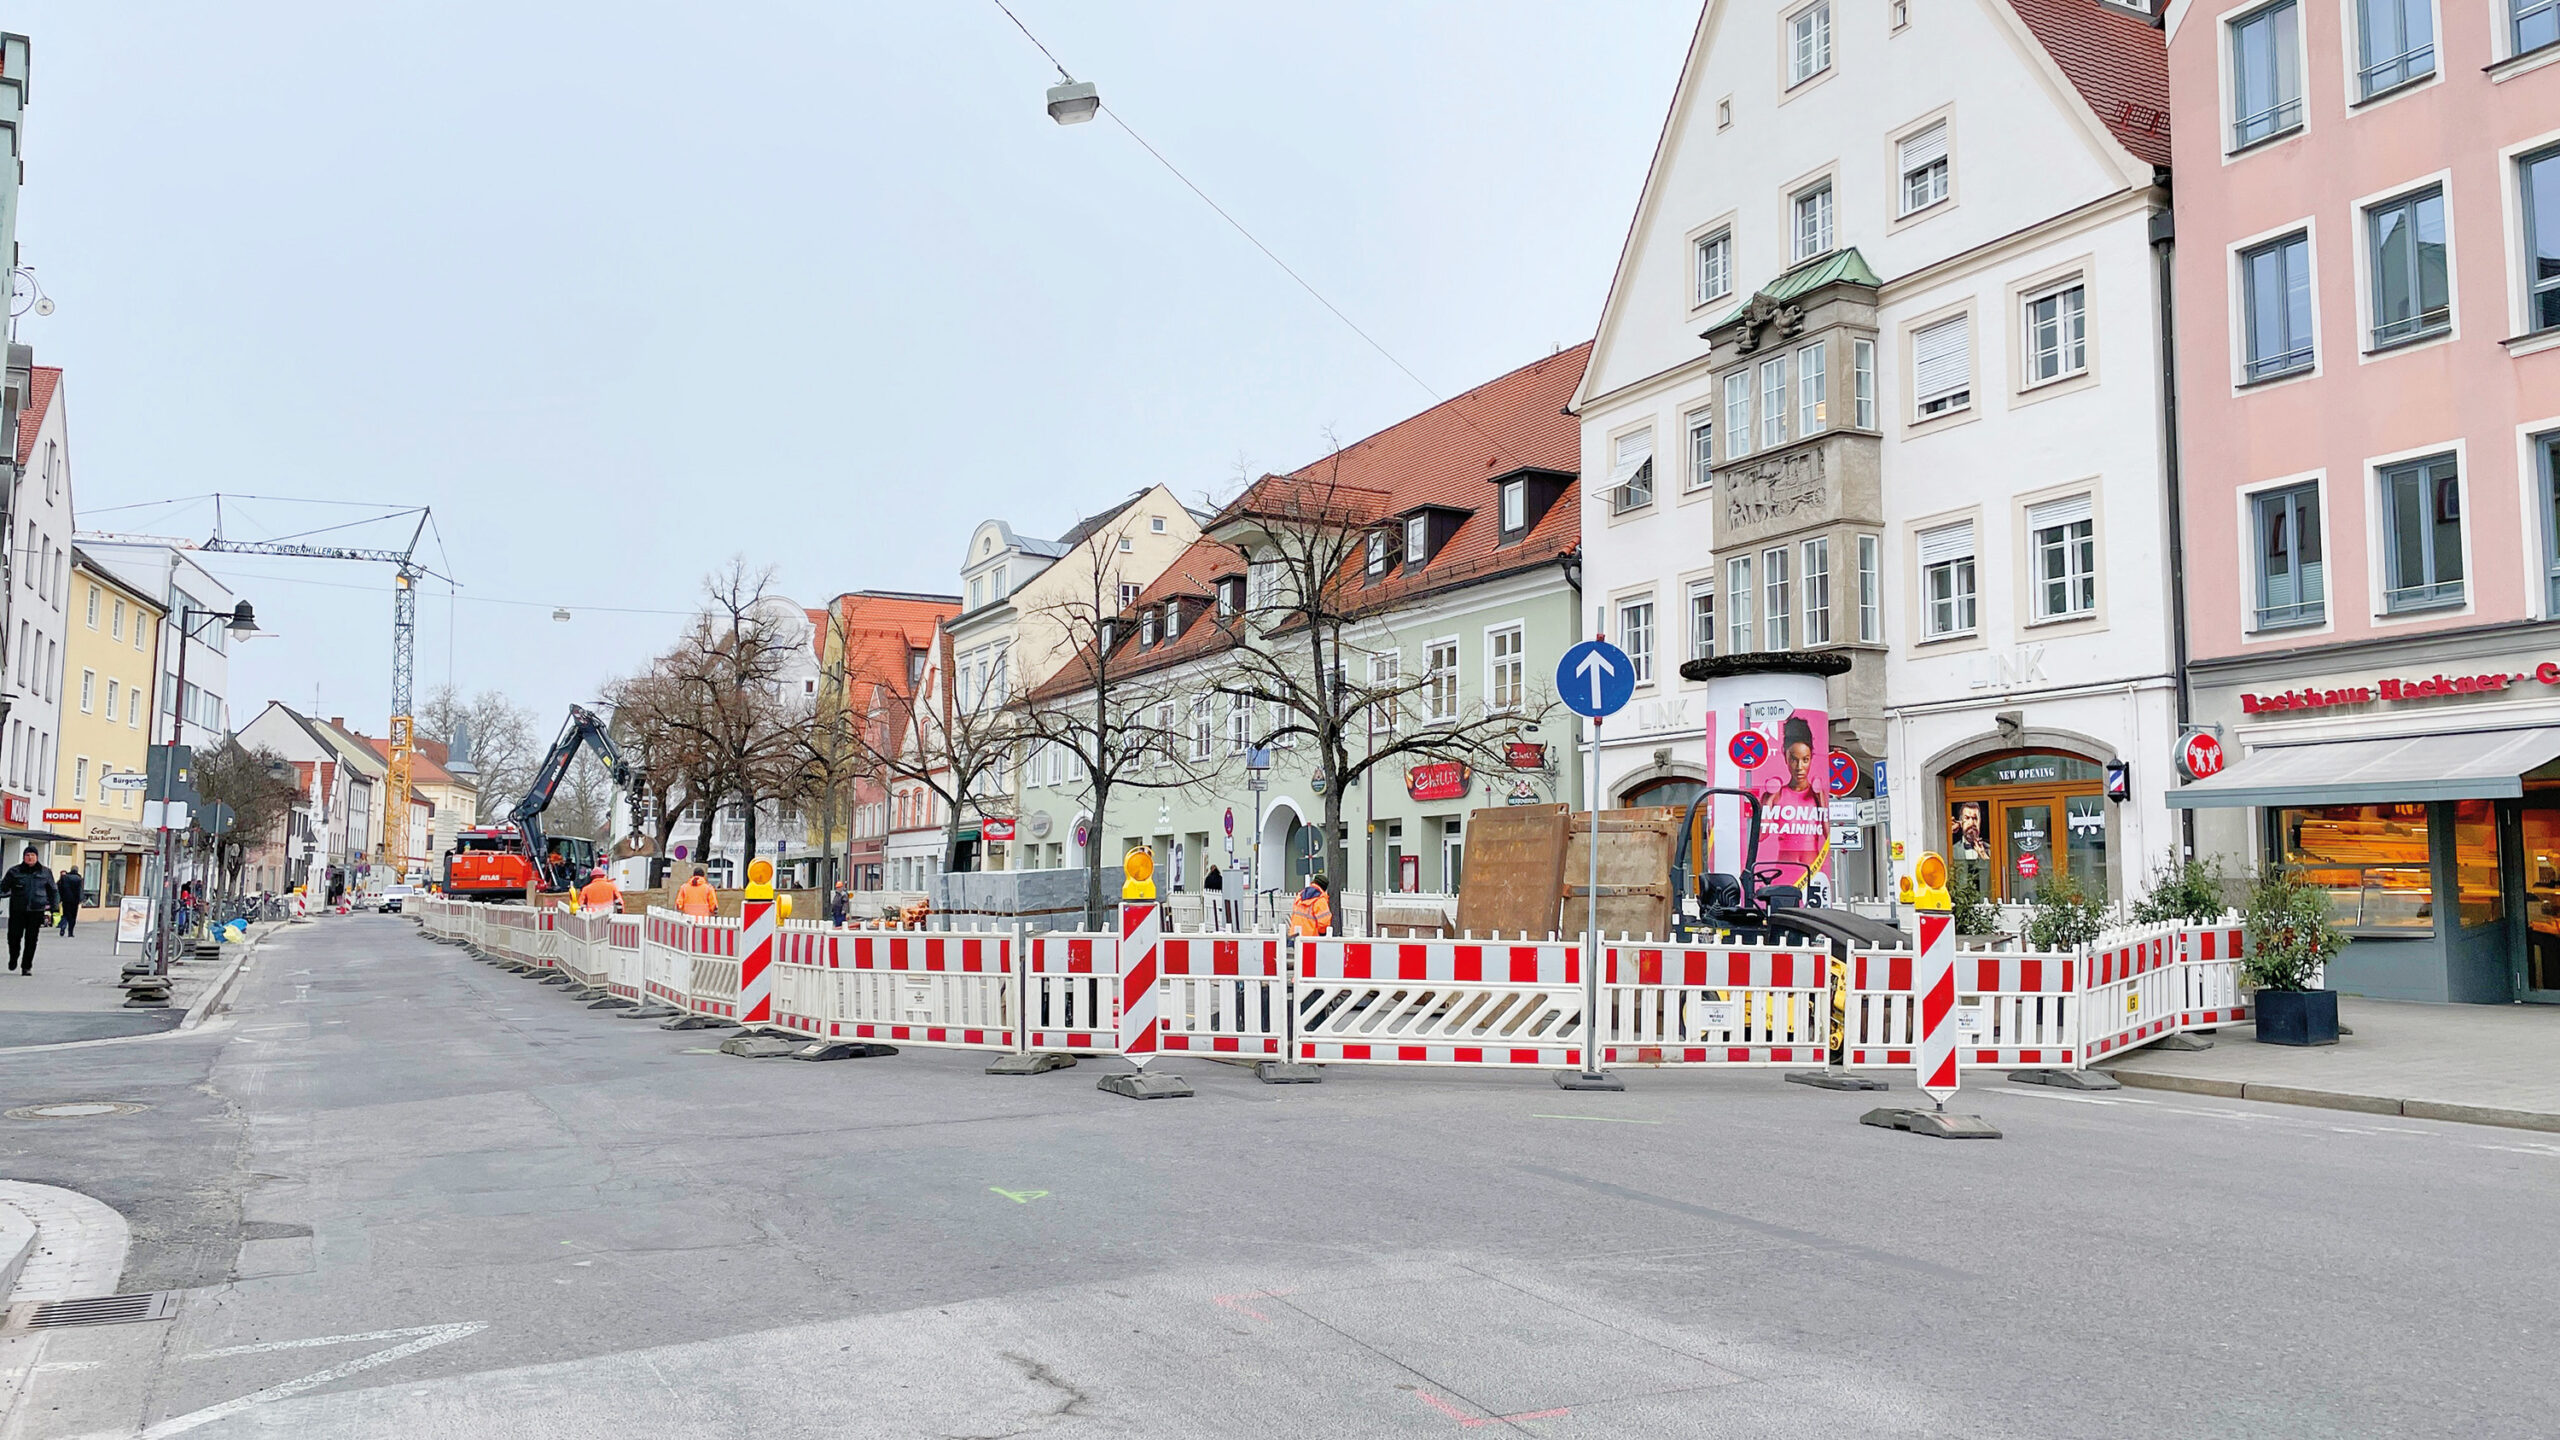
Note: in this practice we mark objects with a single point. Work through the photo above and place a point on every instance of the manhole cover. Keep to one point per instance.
(74, 1110)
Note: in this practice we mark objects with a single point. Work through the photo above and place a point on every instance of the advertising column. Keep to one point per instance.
(1768, 733)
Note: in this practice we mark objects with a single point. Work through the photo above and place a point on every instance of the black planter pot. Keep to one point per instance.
(2297, 1017)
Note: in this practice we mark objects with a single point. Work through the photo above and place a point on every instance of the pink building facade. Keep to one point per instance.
(2367, 326)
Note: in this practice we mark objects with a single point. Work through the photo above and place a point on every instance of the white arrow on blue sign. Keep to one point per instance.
(1595, 678)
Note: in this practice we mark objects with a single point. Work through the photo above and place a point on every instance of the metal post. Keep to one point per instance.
(1592, 1076)
(168, 858)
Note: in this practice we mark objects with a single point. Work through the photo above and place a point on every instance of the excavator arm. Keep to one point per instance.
(582, 729)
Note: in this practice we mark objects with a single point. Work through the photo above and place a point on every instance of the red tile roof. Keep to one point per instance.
(422, 770)
(1449, 455)
(2118, 61)
(43, 380)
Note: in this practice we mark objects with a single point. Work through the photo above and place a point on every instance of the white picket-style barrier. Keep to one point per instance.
(952, 990)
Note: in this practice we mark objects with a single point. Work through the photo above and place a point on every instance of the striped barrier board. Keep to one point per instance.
(1071, 993)
(755, 960)
(1141, 940)
(1997, 1010)
(907, 988)
(2214, 993)
(2137, 990)
(622, 966)
(1715, 1005)
(1224, 995)
(1439, 1002)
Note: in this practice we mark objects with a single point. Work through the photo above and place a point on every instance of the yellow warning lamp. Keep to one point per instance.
(759, 880)
(1140, 866)
(1930, 890)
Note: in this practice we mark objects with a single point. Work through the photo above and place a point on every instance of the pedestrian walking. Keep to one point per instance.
(72, 888)
(697, 897)
(1213, 898)
(29, 888)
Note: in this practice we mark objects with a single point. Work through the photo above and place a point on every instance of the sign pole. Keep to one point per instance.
(1593, 951)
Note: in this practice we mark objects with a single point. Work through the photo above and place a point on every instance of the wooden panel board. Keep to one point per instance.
(1635, 872)
(1514, 870)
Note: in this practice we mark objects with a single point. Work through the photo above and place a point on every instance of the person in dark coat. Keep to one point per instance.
(29, 888)
(72, 889)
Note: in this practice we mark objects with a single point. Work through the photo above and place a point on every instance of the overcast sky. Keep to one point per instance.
(624, 289)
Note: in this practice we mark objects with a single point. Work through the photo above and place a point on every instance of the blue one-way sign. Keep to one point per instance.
(1595, 678)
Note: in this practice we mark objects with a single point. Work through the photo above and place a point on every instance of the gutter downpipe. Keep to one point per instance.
(2164, 246)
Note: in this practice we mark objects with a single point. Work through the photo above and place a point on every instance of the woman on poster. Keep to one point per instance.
(1795, 814)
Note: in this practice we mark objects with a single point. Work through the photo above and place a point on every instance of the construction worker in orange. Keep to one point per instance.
(600, 896)
(697, 897)
(1311, 913)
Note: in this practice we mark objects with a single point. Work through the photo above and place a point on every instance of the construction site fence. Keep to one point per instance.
(1144, 992)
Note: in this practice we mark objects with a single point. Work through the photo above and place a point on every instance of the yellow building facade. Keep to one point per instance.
(109, 663)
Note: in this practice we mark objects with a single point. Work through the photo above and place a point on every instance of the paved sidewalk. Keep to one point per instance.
(2482, 1064)
(74, 994)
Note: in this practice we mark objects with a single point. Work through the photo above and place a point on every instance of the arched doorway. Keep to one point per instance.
(1662, 790)
(2019, 819)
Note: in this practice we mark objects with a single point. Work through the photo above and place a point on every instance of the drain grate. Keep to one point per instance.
(96, 1310)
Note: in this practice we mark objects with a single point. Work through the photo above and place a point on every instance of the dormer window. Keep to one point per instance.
(1147, 629)
(1110, 630)
(1172, 618)
(1377, 553)
(1230, 596)
(1417, 539)
(1515, 506)
(995, 584)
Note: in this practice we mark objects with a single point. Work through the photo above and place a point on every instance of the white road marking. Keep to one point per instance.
(425, 1337)
(2058, 1095)
(2522, 1149)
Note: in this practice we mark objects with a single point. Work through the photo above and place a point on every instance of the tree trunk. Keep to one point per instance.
(1093, 858)
(702, 832)
(750, 857)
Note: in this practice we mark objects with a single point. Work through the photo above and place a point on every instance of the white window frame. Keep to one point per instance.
(1636, 633)
(1440, 689)
(1806, 33)
(1737, 413)
(1377, 553)
(1862, 381)
(1702, 621)
(1813, 389)
(1777, 588)
(1417, 539)
(1813, 586)
(1515, 505)
(1812, 223)
(1927, 153)
(1631, 470)
(1942, 400)
(1773, 401)
(1741, 635)
(1711, 257)
(2070, 350)
(2079, 553)
(88, 691)
(1870, 590)
(1505, 668)
(1699, 423)
(1961, 570)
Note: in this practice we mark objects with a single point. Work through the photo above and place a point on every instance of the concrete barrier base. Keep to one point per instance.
(1288, 1072)
(2067, 1079)
(1937, 1124)
(841, 1050)
(1036, 1062)
(1835, 1080)
(1146, 1085)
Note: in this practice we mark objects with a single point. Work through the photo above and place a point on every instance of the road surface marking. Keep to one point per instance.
(423, 1337)
(1236, 1301)
(1470, 1422)
(2058, 1095)
(1018, 1197)
(1612, 1119)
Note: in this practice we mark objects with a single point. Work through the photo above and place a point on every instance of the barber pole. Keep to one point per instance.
(1141, 944)
(755, 961)
(1934, 977)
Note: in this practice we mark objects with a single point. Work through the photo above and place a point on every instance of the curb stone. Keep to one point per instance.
(2341, 1100)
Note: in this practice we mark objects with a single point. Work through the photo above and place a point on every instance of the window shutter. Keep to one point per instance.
(2069, 511)
(1945, 543)
(1633, 451)
(1940, 359)
(1926, 148)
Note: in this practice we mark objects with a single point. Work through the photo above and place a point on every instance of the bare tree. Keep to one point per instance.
(1125, 724)
(673, 769)
(828, 756)
(503, 745)
(259, 787)
(1325, 660)
(728, 707)
(956, 735)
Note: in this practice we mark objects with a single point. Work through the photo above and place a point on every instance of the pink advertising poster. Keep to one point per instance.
(1792, 780)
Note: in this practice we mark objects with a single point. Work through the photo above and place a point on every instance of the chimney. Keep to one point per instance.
(338, 722)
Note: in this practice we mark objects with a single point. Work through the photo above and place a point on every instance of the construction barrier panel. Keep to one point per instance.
(1438, 1002)
(622, 965)
(1071, 993)
(578, 946)
(2009, 1010)
(2137, 989)
(1224, 995)
(1715, 1005)
(905, 988)
(2211, 955)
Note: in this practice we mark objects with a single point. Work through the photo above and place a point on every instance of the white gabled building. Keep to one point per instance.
(1880, 372)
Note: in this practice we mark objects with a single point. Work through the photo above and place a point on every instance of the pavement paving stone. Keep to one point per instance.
(2484, 1064)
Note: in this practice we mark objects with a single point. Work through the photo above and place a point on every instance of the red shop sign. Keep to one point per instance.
(1520, 755)
(995, 831)
(1439, 780)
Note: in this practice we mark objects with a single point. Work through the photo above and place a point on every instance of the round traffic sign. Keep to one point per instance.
(1595, 678)
(1750, 749)
(1844, 772)
(2199, 754)
(1231, 822)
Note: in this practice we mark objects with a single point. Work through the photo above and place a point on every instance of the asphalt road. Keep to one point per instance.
(499, 1214)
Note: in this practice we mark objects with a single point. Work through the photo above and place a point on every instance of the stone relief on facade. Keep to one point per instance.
(1774, 491)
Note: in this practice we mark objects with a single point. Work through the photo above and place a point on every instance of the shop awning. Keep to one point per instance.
(2482, 765)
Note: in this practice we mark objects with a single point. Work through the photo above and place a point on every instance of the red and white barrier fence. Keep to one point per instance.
(1138, 992)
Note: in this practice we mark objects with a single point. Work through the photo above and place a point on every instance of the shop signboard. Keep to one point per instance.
(996, 830)
(62, 817)
(133, 919)
(14, 810)
(2200, 755)
(1437, 780)
(1522, 793)
(1520, 755)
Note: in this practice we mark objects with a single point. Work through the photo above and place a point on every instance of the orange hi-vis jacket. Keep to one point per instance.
(1311, 913)
(697, 898)
(600, 896)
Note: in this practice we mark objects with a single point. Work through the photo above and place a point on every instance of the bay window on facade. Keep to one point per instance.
(1817, 592)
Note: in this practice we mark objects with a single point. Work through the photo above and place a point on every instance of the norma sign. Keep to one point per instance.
(994, 830)
(62, 817)
(1439, 780)
(2200, 755)
(1520, 755)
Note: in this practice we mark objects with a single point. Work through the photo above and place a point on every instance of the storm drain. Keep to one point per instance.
(96, 1310)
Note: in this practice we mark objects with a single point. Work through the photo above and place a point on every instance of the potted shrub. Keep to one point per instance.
(1976, 920)
(2190, 892)
(2066, 916)
(2290, 940)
